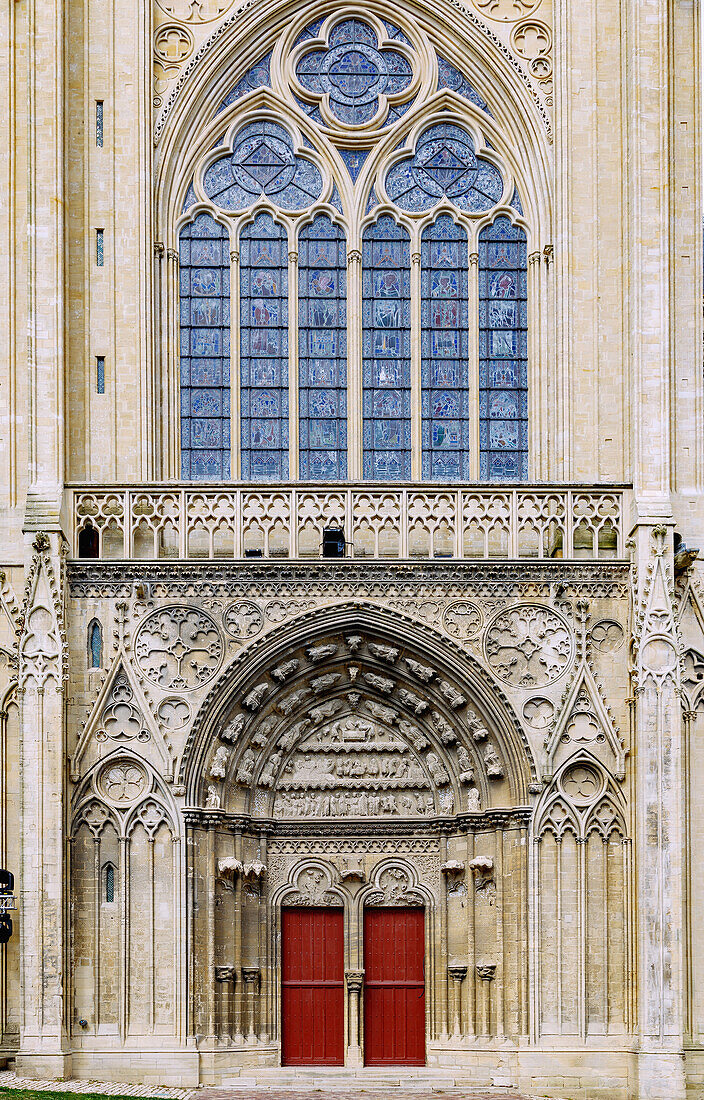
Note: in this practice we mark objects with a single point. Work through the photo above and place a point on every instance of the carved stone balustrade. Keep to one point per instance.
(380, 521)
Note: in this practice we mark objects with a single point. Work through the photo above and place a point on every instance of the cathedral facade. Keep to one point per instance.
(351, 627)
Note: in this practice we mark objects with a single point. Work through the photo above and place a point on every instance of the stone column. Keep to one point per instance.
(44, 1046)
(486, 972)
(355, 981)
(458, 972)
(224, 975)
(251, 976)
(659, 825)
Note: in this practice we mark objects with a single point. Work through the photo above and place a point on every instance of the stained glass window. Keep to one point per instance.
(262, 162)
(264, 350)
(386, 366)
(95, 645)
(444, 164)
(322, 344)
(503, 352)
(256, 77)
(205, 350)
(353, 72)
(444, 350)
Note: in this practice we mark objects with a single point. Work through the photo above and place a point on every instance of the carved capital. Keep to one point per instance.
(355, 980)
(474, 259)
(457, 971)
(172, 254)
(234, 256)
(486, 971)
(225, 974)
(251, 976)
(354, 257)
(548, 253)
(159, 250)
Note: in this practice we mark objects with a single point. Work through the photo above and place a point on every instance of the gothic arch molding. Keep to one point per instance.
(227, 718)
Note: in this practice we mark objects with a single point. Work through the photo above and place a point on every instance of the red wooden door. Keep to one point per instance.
(394, 987)
(313, 976)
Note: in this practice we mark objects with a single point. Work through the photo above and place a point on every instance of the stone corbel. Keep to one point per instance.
(353, 874)
(228, 869)
(482, 868)
(254, 870)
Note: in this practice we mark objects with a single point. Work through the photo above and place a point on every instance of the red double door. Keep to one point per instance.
(313, 987)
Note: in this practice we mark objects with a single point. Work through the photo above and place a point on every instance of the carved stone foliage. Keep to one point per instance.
(529, 646)
(178, 648)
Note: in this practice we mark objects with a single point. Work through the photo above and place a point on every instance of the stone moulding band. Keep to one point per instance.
(387, 521)
(514, 817)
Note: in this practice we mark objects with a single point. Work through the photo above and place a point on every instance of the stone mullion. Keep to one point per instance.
(416, 384)
(473, 368)
(293, 366)
(537, 371)
(235, 427)
(355, 419)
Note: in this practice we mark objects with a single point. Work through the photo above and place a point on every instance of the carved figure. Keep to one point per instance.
(354, 642)
(320, 652)
(233, 729)
(409, 699)
(285, 670)
(290, 702)
(294, 734)
(474, 804)
(494, 768)
(443, 728)
(378, 710)
(423, 672)
(325, 683)
(465, 764)
(417, 739)
(266, 779)
(452, 695)
(212, 801)
(384, 652)
(379, 682)
(246, 768)
(254, 700)
(437, 769)
(218, 765)
(326, 710)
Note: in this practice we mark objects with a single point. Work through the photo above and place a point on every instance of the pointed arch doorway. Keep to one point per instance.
(394, 986)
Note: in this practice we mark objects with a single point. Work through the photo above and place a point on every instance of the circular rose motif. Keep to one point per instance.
(582, 783)
(607, 636)
(528, 646)
(659, 655)
(173, 713)
(462, 619)
(122, 782)
(538, 713)
(178, 648)
(243, 619)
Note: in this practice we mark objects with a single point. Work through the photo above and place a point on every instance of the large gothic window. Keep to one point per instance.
(367, 239)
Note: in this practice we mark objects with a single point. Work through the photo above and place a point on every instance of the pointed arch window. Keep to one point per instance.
(387, 347)
(109, 883)
(204, 256)
(386, 351)
(322, 351)
(95, 645)
(264, 427)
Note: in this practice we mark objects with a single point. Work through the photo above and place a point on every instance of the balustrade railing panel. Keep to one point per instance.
(378, 521)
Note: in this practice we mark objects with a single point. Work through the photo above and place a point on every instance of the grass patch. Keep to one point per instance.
(57, 1094)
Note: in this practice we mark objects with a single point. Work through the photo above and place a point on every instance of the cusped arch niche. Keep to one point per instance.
(352, 713)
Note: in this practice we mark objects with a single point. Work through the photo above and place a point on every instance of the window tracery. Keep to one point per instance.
(427, 373)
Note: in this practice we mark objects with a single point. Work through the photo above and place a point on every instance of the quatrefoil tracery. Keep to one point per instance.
(353, 77)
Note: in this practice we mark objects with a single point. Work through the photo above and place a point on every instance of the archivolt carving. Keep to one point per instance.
(291, 705)
(395, 882)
